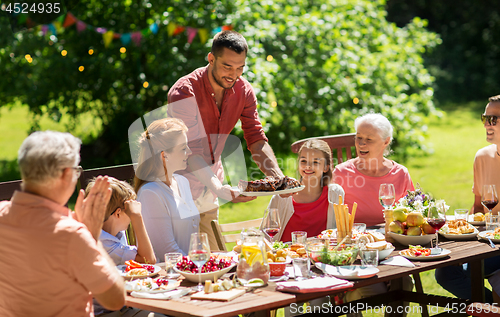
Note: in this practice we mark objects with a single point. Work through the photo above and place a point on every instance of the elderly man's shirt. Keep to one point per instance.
(50, 262)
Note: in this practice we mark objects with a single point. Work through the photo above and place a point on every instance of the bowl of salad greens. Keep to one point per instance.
(335, 255)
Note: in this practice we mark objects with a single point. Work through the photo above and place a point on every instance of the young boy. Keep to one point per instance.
(122, 210)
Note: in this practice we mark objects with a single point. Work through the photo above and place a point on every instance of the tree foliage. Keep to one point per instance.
(317, 65)
(465, 65)
(112, 84)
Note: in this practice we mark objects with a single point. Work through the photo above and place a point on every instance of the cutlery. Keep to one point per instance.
(491, 242)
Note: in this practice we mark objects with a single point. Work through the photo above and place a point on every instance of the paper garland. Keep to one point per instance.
(173, 29)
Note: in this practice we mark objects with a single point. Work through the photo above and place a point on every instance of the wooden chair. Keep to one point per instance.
(228, 227)
(7, 189)
(121, 172)
(339, 144)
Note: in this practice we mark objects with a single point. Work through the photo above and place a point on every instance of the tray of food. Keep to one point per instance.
(477, 219)
(493, 235)
(133, 269)
(417, 252)
(458, 230)
(149, 285)
(270, 186)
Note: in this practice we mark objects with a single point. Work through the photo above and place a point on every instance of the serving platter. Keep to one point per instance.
(464, 236)
(482, 235)
(123, 273)
(444, 253)
(277, 192)
(470, 220)
(140, 285)
(412, 240)
(348, 272)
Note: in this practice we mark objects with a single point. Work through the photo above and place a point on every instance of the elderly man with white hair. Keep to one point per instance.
(50, 258)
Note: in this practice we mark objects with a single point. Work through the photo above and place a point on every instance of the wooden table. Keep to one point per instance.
(267, 298)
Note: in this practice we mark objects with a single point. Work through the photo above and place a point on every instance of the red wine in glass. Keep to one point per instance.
(489, 197)
(272, 231)
(271, 223)
(490, 204)
(436, 223)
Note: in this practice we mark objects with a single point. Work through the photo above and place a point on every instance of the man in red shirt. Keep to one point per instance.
(210, 101)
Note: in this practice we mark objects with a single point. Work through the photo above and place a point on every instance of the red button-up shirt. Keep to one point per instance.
(192, 99)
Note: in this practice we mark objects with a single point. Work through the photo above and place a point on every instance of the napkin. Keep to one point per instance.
(398, 261)
(313, 285)
(167, 295)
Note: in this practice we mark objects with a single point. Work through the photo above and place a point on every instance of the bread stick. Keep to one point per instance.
(337, 216)
(346, 219)
(353, 213)
(341, 224)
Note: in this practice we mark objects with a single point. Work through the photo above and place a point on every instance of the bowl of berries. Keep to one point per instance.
(213, 269)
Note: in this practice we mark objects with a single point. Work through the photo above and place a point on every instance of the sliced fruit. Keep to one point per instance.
(255, 281)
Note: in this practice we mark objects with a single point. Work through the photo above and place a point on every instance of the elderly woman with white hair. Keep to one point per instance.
(361, 176)
(43, 240)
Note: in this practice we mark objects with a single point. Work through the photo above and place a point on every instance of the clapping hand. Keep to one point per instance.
(91, 210)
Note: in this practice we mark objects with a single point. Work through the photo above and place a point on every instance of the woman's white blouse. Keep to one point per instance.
(169, 218)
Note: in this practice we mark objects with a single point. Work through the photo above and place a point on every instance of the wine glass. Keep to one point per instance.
(436, 218)
(199, 253)
(386, 195)
(271, 224)
(489, 198)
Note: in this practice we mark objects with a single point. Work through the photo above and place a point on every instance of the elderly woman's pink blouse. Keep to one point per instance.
(363, 189)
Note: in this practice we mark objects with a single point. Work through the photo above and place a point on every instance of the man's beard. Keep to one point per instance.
(219, 82)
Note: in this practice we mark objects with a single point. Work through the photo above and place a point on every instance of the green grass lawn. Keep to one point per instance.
(447, 173)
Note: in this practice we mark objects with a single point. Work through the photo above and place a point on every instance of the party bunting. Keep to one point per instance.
(178, 30)
(70, 20)
(67, 20)
(203, 33)
(125, 38)
(191, 33)
(107, 38)
(154, 28)
(80, 26)
(136, 37)
(171, 26)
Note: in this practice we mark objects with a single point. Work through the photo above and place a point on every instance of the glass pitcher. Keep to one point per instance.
(253, 258)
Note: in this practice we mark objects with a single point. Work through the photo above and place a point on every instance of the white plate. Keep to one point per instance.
(413, 240)
(475, 223)
(482, 235)
(195, 277)
(348, 272)
(444, 253)
(121, 269)
(278, 192)
(464, 236)
(135, 286)
(478, 223)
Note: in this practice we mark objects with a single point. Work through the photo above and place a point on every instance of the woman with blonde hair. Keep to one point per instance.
(169, 212)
